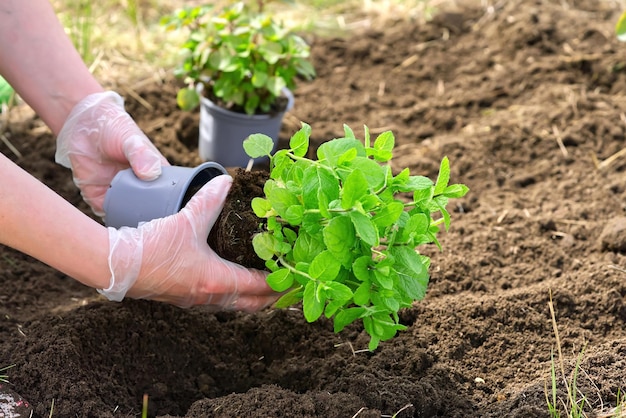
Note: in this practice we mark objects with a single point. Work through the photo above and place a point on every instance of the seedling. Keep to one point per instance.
(341, 232)
(244, 58)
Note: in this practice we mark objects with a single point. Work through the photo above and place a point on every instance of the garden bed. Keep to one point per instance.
(527, 101)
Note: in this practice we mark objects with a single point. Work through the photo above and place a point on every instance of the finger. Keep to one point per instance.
(253, 303)
(250, 303)
(205, 206)
(229, 281)
(241, 280)
(144, 158)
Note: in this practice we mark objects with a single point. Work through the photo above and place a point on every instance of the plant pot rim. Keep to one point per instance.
(213, 107)
(130, 201)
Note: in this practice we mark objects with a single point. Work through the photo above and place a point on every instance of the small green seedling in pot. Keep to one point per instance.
(244, 57)
(341, 232)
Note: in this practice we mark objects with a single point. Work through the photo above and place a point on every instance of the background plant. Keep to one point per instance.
(245, 58)
(340, 233)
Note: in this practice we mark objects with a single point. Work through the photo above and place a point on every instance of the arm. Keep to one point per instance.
(40, 62)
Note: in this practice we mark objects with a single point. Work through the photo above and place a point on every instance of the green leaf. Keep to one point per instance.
(299, 142)
(188, 98)
(455, 191)
(384, 279)
(305, 68)
(294, 176)
(365, 229)
(290, 298)
(373, 344)
(302, 272)
(261, 207)
(368, 324)
(280, 280)
(346, 317)
(272, 265)
(362, 294)
(329, 152)
(374, 173)
(347, 156)
(389, 214)
(392, 304)
(415, 183)
(324, 266)
(264, 245)
(306, 247)
(348, 132)
(339, 237)
(324, 204)
(417, 224)
(412, 275)
(312, 304)
(337, 291)
(423, 196)
(281, 200)
(258, 145)
(370, 202)
(259, 78)
(440, 203)
(443, 178)
(383, 145)
(620, 28)
(354, 187)
(281, 163)
(318, 179)
(332, 306)
(385, 327)
(271, 51)
(275, 85)
(312, 223)
(361, 268)
(294, 214)
(251, 104)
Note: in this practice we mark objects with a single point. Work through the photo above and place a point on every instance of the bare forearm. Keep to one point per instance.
(38, 222)
(40, 62)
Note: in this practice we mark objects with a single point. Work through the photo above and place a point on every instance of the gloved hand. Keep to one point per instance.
(99, 138)
(168, 259)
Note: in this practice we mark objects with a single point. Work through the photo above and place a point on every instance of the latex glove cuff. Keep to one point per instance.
(125, 255)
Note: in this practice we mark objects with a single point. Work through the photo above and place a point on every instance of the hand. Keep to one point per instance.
(99, 138)
(168, 259)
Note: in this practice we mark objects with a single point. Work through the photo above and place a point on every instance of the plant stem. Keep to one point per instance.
(292, 269)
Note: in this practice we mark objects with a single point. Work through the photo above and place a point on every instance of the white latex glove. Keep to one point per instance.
(168, 259)
(98, 139)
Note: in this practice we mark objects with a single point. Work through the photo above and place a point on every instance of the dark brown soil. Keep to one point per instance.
(231, 236)
(527, 99)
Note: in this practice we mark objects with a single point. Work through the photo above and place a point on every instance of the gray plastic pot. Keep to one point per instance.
(131, 201)
(222, 132)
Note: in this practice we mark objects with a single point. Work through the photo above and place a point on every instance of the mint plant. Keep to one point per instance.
(341, 232)
(244, 58)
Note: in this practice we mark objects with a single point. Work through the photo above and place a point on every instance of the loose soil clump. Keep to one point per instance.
(231, 236)
(526, 98)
